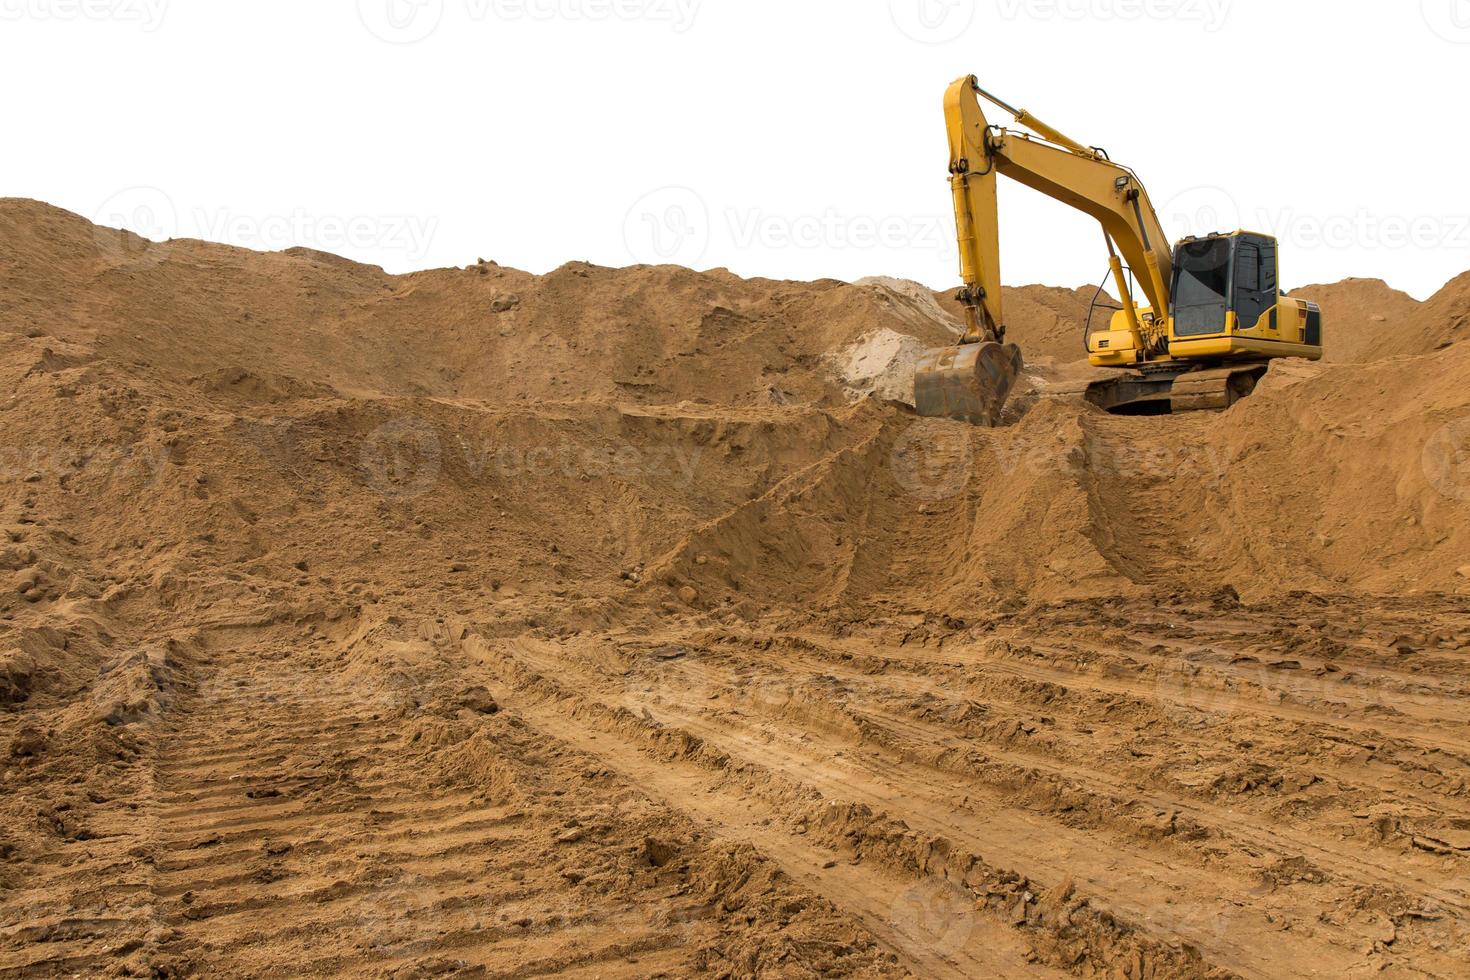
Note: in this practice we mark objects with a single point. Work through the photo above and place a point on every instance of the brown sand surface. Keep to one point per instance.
(625, 623)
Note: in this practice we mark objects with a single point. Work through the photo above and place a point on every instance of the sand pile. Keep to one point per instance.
(1365, 318)
(180, 409)
(229, 471)
(1354, 492)
(1443, 320)
(646, 335)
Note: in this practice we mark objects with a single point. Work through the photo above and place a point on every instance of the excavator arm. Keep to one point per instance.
(1061, 168)
(971, 382)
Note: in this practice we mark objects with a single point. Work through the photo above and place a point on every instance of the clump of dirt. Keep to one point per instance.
(880, 364)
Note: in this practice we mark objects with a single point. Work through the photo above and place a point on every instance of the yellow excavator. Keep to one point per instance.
(1215, 314)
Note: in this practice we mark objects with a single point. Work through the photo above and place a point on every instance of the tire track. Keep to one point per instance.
(792, 745)
(934, 932)
(304, 817)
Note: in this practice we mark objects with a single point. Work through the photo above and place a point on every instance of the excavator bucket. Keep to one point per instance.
(969, 383)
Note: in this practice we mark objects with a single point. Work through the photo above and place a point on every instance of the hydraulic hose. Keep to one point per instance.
(1087, 327)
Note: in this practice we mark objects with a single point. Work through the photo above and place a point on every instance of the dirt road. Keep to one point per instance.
(1164, 841)
(1011, 797)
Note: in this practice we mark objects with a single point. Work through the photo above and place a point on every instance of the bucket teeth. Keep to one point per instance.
(969, 383)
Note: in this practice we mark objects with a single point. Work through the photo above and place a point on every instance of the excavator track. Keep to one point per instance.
(1211, 388)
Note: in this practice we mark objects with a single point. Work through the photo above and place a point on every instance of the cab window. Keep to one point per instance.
(1255, 287)
(1268, 267)
(1201, 287)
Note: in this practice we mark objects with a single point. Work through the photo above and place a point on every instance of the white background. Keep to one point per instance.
(773, 137)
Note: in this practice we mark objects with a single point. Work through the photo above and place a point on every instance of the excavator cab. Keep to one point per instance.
(1228, 319)
(1221, 275)
(1228, 303)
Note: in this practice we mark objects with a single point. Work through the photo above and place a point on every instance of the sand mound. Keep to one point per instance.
(319, 576)
(1364, 318)
(1070, 502)
(1443, 320)
(224, 387)
(648, 335)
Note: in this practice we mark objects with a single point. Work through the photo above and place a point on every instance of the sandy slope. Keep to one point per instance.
(473, 622)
